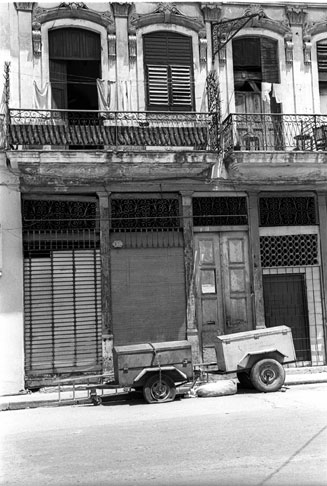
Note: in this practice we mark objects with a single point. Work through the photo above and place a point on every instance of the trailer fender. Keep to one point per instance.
(174, 373)
(251, 358)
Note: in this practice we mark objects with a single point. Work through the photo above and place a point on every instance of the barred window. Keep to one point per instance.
(141, 214)
(219, 211)
(287, 211)
(57, 214)
(289, 250)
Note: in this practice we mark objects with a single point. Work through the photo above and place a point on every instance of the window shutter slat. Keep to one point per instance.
(181, 85)
(322, 57)
(158, 93)
(269, 61)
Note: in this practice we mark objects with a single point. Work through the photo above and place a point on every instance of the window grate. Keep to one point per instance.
(289, 250)
(144, 214)
(219, 211)
(287, 211)
(54, 214)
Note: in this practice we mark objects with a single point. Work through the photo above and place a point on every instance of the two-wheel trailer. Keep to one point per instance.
(157, 369)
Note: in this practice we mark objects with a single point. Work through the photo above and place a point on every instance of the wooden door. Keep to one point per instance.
(223, 288)
(285, 303)
(256, 131)
(210, 312)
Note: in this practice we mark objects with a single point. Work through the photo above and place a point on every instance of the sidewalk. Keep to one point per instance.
(50, 397)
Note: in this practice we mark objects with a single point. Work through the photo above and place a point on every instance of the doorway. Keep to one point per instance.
(75, 66)
(285, 300)
(223, 288)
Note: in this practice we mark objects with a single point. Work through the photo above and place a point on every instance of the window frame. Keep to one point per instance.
(167, 66)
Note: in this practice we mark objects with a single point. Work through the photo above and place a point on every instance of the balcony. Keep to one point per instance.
(274, 133)
(66, 129)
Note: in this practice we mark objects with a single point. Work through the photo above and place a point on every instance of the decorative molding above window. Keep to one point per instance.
(264, 22)
(165, 13)
(314, 28)
(295, 15)
(74, 11)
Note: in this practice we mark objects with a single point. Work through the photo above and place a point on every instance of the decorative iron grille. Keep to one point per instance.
(48, 214)
(52, 224)
(144, 214)
(218, 211)
(287, 211)
(289, 250)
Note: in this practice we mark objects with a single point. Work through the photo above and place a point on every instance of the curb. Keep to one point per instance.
(6, 405)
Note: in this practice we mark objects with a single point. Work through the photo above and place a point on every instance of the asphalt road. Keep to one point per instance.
(242, 440)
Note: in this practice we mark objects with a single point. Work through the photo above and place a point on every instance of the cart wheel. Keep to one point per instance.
(267, 375)
(158, 390)
(96, 400)
(244, 379)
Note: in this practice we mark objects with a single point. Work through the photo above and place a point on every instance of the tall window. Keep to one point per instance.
(255, 61)
(75, 64)
(168, 60)
(322, 70)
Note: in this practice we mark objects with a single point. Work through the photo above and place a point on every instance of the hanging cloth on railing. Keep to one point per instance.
(105, 95)
(42, 97)
(265, 90)
(277, 92)
(125, 95)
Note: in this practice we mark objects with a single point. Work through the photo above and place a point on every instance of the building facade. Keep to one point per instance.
(163, 177)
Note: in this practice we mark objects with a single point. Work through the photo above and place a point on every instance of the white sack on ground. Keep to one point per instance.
(217, 389)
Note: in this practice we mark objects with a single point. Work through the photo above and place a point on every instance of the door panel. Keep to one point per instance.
(236, 281)
(222, 287)
(254, 132)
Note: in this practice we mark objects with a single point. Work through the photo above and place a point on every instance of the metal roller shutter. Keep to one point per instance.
(148, 295)
(62, 312)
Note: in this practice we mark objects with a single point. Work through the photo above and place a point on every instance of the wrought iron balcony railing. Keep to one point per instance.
(274, 132)
(110, 130)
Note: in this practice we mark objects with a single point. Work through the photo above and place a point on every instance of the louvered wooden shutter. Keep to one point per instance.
(181, 82)
(158, 93)
(269, 60)
(169, 71)
(322, 60)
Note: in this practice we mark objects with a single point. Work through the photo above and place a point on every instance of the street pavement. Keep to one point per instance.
(247, 439)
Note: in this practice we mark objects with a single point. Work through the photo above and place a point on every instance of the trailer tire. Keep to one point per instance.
(96, 400)
(159, 390)
(244, 379)
(267, 375)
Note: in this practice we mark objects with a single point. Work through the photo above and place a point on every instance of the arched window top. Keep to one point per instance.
(80, 12)
(74, 43)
